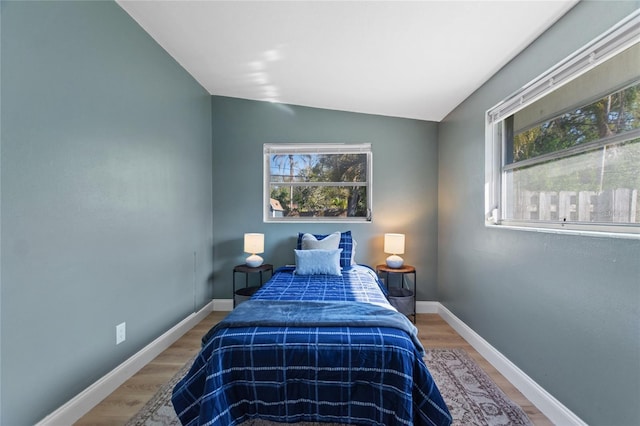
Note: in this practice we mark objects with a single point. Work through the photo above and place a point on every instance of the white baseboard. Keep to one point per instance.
(543, 400)
(223, 305)
(423, 307)
(82, 403)
(90, 397)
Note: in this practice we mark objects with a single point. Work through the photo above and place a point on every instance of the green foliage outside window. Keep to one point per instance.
(611, 115)
(612, 165)
(320, 185)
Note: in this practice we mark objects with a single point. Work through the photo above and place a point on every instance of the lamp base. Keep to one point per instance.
(254, 261)
(395, 261)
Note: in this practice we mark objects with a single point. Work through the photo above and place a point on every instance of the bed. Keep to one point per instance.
(312, 347)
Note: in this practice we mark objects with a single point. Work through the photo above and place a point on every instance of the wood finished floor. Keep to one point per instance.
(127, 400)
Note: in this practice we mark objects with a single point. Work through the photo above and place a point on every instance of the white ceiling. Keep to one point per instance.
(414, 59)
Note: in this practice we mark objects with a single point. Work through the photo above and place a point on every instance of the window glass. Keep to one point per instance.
(596, 186)
(614, 114)
(318, 182)
(594, 172)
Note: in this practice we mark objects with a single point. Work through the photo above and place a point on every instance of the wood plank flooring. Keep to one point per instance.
(127, 400)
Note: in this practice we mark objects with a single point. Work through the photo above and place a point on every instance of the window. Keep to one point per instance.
(317, 182)
(563, 153)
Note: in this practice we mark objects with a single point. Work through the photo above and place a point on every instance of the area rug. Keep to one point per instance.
(472, 397)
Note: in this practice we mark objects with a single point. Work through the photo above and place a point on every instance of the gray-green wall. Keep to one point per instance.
(565, 309)
(404, 184)
(106, 209)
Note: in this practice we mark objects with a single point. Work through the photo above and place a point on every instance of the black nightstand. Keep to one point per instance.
(246, 292)
(401, 298)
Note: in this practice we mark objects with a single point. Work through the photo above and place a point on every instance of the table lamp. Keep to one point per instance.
(394, 245)
(254, 243)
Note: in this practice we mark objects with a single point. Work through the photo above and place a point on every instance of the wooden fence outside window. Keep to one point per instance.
(611, 206)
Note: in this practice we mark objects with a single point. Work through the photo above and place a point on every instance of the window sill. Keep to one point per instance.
(566, 230)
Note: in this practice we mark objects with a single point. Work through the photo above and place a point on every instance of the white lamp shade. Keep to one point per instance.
(394, 243)
(254, 243)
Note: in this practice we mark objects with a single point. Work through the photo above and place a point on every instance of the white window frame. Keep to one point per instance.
(315, 148)
(620, 37)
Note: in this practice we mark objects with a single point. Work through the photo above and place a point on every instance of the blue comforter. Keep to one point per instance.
(292, 360)
(277, 313)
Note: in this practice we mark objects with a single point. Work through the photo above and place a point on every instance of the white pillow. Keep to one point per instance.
(330, 242)
(318, 262)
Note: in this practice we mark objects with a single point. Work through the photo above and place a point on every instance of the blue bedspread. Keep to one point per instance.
(278, 313)
(359, 372)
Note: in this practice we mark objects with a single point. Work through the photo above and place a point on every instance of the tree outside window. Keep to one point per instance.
(318, 182)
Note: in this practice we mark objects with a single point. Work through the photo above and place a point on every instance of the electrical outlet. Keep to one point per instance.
(121, 333)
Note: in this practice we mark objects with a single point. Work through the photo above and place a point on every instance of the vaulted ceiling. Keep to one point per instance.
(414, 59)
